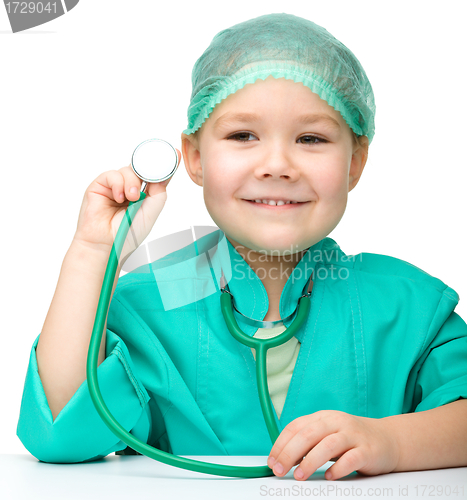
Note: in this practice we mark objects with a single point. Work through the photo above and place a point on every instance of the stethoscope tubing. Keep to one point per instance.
(260, 345)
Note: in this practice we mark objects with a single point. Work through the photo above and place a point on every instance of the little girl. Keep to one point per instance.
(279, 125)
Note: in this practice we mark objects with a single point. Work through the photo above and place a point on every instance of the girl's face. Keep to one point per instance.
(265, 142)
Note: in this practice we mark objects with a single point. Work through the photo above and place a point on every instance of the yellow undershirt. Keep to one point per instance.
(280, 363)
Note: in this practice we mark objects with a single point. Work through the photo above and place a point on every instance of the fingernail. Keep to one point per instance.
(299, 473)
(133, 190)
(271, 461)
(278, 469)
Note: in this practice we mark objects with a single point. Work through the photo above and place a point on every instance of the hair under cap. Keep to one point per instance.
(283, 46)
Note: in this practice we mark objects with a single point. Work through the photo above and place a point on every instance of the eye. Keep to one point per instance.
(241, 136)
(314, 139)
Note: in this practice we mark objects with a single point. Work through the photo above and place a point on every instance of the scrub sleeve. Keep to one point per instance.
(78, 433)
(441, 370)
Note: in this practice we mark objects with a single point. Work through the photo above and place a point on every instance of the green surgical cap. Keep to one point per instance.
(284, 46)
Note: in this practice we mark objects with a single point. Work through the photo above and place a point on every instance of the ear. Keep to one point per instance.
(192, 158)
(359, 158)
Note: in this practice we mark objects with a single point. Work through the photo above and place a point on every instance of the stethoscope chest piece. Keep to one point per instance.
(154, 160)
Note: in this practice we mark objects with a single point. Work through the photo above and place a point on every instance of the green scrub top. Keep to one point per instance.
(381, 339)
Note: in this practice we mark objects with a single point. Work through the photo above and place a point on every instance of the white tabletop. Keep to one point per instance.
(139, 477)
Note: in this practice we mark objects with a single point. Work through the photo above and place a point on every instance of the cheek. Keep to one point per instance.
(331, 181)
(219, 185)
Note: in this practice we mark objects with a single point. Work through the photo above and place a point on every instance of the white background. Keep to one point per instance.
(79, 93)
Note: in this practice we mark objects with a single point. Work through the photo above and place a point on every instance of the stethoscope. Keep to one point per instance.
(156, 160)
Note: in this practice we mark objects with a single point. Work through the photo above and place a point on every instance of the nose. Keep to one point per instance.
(276, 163)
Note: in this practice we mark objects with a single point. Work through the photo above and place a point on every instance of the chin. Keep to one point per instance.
(269, 245)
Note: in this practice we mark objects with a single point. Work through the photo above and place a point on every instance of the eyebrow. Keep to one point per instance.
(254, 118)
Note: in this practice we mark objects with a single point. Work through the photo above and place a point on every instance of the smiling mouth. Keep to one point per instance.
(286, 206)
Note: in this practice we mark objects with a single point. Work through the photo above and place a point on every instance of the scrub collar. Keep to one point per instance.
(194, 272)
(250, 295)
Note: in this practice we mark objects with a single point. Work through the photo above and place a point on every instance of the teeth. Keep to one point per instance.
(273, 203)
